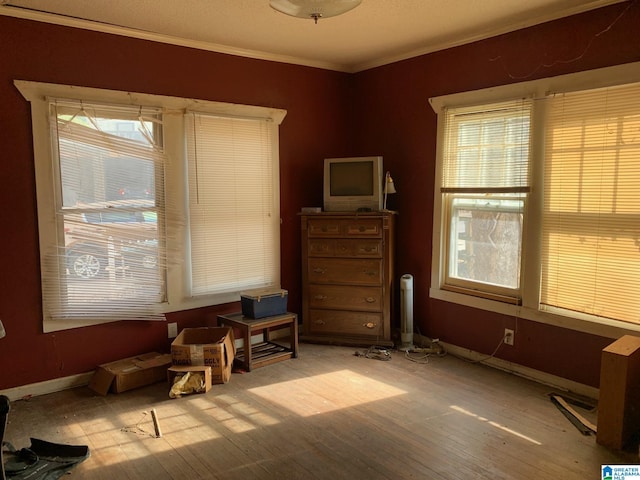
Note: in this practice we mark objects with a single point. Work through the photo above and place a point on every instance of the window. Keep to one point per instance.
(149, 204)
(591, 219)
(108, 257)
(537, 211)
(485, 181)
(233, 204)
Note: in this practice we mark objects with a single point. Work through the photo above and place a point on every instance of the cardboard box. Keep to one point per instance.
(209, 346)
(264, 302)
(129, 373)
(175, 372)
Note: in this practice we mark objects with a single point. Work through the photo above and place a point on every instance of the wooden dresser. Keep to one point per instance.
(347, 278)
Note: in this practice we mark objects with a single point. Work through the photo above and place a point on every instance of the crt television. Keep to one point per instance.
(353, 184)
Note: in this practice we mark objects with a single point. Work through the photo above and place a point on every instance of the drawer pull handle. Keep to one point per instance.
(319, 270)
(370, 299)
(324, 229)
(320, 322)
(320, 297)
(370, 273)
(361, 228)
(369, 325)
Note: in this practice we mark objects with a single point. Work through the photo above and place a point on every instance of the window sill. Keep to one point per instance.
(484, 295)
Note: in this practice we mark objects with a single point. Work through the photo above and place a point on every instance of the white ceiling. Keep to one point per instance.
(375, 33)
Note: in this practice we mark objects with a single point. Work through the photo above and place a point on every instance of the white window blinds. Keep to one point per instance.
(591, 226)
(487, 148)
(234, 218)
(105, 260)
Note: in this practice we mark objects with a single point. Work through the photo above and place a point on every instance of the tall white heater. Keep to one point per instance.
(406, 312)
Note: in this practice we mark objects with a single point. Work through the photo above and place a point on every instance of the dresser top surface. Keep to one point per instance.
(349, 214)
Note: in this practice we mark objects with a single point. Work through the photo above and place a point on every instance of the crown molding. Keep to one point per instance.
(73, 22)
(67, 21)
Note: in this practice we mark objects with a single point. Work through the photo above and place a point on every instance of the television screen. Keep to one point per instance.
(351, 179)
(352, 184)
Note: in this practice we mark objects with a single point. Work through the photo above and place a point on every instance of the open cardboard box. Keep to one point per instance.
(209, 346)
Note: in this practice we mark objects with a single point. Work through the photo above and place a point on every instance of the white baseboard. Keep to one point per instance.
(520, 370)
(48, 386)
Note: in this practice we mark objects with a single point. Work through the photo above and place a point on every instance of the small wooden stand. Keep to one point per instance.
(267, 352)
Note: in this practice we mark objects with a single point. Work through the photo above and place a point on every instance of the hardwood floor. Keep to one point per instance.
(328, 414)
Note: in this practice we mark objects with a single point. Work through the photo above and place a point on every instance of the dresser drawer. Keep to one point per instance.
(361, 248)
(325, 227)
(344, 227)
(345, 271)
(364, 227)
(345, 323)
(341, 297)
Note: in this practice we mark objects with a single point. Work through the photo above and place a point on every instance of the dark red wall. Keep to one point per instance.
(395, 119)
(380, 111)
(316, 126)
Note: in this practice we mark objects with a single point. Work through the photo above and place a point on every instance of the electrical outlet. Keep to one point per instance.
(509, 336)
(172, 329)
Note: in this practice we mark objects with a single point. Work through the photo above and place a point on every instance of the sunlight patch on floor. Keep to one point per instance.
(494, 424)
(233, 414)
(326, 393)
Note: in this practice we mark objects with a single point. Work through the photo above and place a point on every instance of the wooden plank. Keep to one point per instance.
(586, 423)
(618, 411)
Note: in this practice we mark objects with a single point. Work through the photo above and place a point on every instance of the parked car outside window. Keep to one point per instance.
(119, 241)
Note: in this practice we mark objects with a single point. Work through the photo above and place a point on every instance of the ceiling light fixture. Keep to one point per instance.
(314, 9)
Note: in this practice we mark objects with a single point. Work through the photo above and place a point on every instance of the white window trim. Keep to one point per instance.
(174, 108)
(529, 310)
